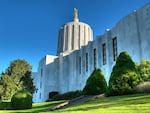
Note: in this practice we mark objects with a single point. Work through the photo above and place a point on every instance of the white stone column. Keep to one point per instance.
(86, 35)
(81, 35)
(69, 37)
(64, 39)
(90, 34)
(76, 36)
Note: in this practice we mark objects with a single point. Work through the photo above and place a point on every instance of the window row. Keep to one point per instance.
(104, 55)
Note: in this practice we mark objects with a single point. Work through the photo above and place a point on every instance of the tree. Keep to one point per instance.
(144, 69)
(18, 68)
(17, 77)
(95, 84)
(1, 88)
(28, 82)
(1, 91)
(124, 76)
(9, 87)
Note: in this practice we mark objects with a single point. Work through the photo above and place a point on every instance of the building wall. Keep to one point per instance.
(69, 72)
(144, 30)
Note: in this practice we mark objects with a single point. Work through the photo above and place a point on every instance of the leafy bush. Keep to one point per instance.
(144, 70)
(52, 94)
(67, 96)
(143, 87)
(22, 100)
(57, 97)
(5, 105)
(124, 76)
(95, 84)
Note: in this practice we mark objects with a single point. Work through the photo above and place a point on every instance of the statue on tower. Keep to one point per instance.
(76, 14)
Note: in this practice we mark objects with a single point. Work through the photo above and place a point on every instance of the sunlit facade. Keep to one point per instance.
(78, 54)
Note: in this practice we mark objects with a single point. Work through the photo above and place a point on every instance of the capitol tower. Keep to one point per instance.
(73, 35)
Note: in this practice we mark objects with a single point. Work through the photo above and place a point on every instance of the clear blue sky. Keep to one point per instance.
(29, 28)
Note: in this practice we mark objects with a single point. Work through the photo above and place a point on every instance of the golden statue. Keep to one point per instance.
(75, 13)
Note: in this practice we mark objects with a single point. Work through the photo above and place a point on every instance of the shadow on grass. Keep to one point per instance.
(47, 105)
(112, 102)
(36, 108)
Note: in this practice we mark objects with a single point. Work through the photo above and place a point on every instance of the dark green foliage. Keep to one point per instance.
(144, 70)
(124, 76)
(1, 89)
(67, 96)
(5, 106)
(95, 84)
(22, 100)
(18, 67)
(28, 82)
(9, 87)
(16, 77)
(52, 94)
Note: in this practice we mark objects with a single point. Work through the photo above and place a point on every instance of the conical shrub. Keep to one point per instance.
(96, 83)
(124, 76)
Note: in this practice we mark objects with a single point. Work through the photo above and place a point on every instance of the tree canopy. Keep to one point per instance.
(17, 77)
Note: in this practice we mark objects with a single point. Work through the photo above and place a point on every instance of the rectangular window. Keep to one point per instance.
(80, 65)
(41, 84)
(94, 53)
(86, 61)
(40, 95)
(41, 72)
(41, 78)
(104, 53)
(115, 51)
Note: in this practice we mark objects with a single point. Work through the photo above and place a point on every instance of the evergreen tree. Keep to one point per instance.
(124, 76)
(95, 84)
(28, 82)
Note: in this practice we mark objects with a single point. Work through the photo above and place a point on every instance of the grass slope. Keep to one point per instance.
(36, 108)
(138, 103)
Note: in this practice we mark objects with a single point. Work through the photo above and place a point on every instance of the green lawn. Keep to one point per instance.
(139, 103)
(119, 104)
(37, 107)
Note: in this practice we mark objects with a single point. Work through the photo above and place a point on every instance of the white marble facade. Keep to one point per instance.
(78, 55)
